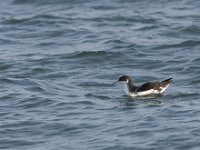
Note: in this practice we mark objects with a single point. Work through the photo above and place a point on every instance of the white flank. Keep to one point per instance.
(149, 92)
(144, 93)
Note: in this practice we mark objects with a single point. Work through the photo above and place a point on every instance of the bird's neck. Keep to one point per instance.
(128, 86)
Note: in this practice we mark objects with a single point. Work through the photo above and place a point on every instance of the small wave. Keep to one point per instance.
(94, 84)
(86, 103)
(41, 70)
(148, 27)
(4, 66)
(14, 20)
(36, 89)
(22, 1)
(5, 41)
(42, 61)
(34, 102)
(101, 97)
(103, 7)
(128, 20)
(115, 41)
(185, 95)
(37, 19)
(44, 2)
(196, 61)
(82, 54)
(10, 80)
(9, 96)
(194, 30)
(187, 43)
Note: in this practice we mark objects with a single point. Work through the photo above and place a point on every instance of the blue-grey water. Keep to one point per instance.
(59, 58)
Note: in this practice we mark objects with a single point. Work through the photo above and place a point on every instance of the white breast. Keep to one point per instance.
(126, 88)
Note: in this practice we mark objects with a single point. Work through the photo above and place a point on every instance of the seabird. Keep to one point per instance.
(148, 88)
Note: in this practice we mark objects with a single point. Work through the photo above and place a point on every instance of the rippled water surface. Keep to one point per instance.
(59, 59)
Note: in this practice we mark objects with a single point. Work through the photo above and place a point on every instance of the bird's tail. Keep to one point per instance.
(167, 81)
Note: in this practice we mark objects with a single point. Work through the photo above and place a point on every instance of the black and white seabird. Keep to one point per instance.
(148, 88)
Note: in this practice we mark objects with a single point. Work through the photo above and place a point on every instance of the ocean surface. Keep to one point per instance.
(59, 58)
